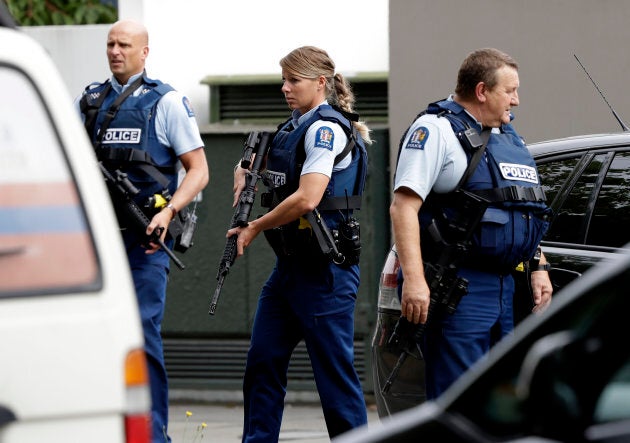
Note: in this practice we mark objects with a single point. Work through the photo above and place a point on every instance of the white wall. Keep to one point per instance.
(190, 39)
(78, 52)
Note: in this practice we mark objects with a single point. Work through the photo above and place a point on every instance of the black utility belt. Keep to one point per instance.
(513, 193)
(290, 241)
(298, 239)
(483, 265)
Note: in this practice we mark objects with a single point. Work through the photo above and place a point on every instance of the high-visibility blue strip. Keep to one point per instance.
(41, 219)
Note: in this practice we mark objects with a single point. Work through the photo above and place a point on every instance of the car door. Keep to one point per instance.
(588, 191)
(563, 377)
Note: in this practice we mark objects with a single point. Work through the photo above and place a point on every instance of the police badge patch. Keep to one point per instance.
(418, 138)
(324, 138)
(188, 107)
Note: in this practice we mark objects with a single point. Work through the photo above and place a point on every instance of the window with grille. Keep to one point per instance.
(258, 99)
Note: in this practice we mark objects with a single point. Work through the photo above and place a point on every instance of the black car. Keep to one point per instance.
(563, 377)
(586, 180)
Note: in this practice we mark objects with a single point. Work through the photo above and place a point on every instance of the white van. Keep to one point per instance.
(72, 368)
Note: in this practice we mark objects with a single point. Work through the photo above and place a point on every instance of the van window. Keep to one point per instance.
(45, 243)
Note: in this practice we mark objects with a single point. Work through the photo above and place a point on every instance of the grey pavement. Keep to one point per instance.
(222, 414)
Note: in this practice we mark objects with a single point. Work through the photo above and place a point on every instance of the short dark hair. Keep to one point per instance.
(481, 66)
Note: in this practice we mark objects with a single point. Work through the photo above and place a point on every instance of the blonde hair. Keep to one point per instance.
(311, 62)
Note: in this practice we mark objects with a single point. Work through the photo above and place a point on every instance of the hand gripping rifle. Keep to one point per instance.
(447, 288)
(258, 144)
(122, 191)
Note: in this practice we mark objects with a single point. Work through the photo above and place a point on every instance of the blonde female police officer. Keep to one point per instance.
(307, 296)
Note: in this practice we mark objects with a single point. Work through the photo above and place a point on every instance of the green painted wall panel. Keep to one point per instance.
(190, 290)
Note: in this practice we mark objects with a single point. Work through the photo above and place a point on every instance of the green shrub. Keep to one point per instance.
(61, 12)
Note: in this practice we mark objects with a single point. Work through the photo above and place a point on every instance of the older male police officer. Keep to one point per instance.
(434, 157)
(151, 129)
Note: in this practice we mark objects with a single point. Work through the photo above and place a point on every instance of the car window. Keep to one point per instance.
(590, 199)
(45, 243)
(554, 174)
(611, 216)
(614, 403)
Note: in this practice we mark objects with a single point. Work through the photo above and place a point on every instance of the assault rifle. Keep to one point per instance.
(257, 145)
(447, 288)
(122, 192)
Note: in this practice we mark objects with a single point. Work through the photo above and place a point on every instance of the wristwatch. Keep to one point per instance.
(172, 208)
(545, 267)
(533, 263)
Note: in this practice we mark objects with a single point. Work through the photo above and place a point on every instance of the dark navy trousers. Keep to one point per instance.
(455, 342)
(314, 303)
(150, 275)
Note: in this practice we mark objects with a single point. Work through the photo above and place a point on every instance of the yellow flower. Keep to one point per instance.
(199, 434)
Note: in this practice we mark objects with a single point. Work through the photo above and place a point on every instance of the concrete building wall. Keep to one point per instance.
(429, 39)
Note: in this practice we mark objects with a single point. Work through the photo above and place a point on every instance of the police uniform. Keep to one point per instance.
(306, 297)
(158, 120)
(432, 162)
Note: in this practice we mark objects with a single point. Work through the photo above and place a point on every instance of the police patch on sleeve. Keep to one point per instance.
(188, 107)
(324, 138)
(418, 138)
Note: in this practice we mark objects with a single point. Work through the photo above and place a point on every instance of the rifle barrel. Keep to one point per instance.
(215, 297)
(256, 146)
(394, 374)
(171, 254)
(229, 256)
